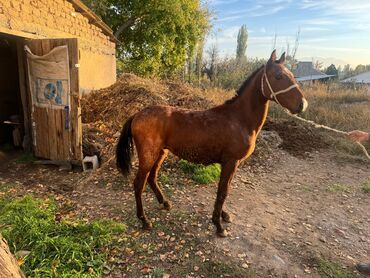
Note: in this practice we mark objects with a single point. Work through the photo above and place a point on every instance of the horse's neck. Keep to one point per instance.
(252, 107)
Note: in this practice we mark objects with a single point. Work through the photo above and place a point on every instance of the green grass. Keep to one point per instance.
(164, 179)
(331, 269)
(58, 249)
(200, 173)
(337, 187)
(366, 187)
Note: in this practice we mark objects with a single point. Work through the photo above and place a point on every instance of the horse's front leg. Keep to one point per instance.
(227, 173)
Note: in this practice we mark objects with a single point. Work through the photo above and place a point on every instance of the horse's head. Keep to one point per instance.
(278, 84)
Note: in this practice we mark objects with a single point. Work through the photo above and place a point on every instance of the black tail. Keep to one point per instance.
(124, 148)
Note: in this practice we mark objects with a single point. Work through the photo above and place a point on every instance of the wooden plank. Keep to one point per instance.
(40, 117)
(52, 134)
(75, 112)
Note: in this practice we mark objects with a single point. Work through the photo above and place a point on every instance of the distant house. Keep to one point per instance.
(362, 79)
(304, 71)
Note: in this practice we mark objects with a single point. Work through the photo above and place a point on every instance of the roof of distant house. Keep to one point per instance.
(305, 71)
(360, 78)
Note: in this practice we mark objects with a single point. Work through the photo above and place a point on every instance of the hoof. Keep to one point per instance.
(147, 226)
(222, 233)
(167, 205)
(363, 268)
(226, 217)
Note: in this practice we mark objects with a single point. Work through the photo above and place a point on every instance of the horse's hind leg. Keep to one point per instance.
(152, 180)
(139, 185)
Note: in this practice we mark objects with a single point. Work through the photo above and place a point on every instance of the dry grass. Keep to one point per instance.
(338, 107)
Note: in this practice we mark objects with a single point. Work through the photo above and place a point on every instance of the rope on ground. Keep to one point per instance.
(330, 129)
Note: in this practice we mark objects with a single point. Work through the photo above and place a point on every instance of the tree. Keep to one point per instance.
(318, 65)
(242, 43)
(156, 36)
(291, 53)
(332, 70)
(8, 264)
(347, 71)
(359, 69)
(199, 60)
(211, 67)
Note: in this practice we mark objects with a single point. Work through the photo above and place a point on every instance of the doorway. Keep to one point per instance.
(11, 112)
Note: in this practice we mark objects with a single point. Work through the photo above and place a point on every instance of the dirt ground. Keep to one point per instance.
(289, 213)
(298, 206)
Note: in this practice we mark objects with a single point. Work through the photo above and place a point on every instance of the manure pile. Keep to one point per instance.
(105, 111)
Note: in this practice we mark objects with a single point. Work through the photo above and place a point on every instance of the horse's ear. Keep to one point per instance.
(282, 59)
(272, 57)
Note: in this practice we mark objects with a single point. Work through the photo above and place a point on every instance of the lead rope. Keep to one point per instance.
(330, 129)
(273, 94)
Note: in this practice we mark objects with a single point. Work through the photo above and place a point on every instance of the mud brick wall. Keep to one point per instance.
(60, 19)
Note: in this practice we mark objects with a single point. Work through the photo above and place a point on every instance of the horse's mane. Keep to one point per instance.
(240, 91)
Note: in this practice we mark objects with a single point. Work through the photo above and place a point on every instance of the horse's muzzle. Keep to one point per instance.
(303, 106)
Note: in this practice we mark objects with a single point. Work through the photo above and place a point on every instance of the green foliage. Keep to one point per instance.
(366, 187)
(58, 249)
(157, 36)
(231, 73)
(242, 43)
(332, 70)
(331, 269)
(164, 179)
(200, 173)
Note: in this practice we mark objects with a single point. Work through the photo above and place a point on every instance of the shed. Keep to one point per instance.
(51, 52)
(304, 71)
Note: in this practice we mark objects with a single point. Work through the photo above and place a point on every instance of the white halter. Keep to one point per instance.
(273, 94)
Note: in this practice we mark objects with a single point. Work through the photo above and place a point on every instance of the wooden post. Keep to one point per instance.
(8, 264)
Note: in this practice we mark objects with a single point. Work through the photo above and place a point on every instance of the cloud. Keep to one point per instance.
(222, 2)
(250, 9)
(228, 18)
(319, 21)
(314, 28)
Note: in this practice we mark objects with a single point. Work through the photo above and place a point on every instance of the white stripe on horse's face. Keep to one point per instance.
(305, 104)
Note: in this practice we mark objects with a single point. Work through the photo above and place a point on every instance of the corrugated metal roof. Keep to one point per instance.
(360, 78)
(313, 77)
(306, 69)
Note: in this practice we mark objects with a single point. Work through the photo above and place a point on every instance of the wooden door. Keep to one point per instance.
(57, 133)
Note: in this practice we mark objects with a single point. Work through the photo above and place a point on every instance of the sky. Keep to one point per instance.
(334, 31)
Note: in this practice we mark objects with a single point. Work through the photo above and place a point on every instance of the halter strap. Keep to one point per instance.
(273, 93)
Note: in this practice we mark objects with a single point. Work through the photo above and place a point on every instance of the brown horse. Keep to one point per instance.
(225, 134)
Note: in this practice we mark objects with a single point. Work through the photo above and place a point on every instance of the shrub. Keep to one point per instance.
(366, 187)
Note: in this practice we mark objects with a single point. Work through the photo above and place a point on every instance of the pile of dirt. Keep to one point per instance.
(298, 139)
(105, 111)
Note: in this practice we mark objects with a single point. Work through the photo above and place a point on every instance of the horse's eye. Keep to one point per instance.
(279, 76)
